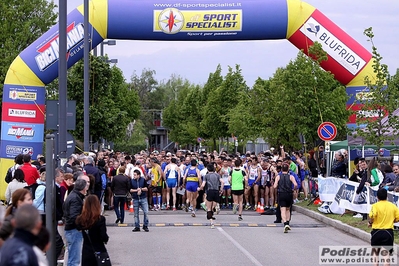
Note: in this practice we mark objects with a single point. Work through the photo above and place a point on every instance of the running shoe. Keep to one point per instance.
(190, 208)
(286, 228)
(247, 207)
(235, 207)
(217, 208)
(136, 229)
(163, 207)
(193, 214)
(230, 207)
(212, 226)
(240, 218)
(174, 209)
(254, 208)
(168, 207)
(203, 206)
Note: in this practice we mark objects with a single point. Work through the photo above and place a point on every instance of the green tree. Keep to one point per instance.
(220, 102)
(191, 111)
(382, 99)
(133, 141)
(214, 81)
(21, 23)
(300, 97)
(178, 113)
(113, 105)
(145, 85)
(247, 119)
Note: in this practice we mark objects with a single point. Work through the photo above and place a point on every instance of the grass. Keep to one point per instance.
(346, 218)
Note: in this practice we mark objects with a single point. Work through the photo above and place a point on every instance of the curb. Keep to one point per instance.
(334, 223)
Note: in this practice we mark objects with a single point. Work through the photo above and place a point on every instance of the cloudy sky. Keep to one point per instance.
(195, 60)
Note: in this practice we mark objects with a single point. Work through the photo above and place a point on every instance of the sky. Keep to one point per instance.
(196, 60)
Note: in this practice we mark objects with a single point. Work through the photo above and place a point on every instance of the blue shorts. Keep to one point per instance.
(252, 182)
(302, 174)
(192, 186)
(227, 187)
(171, 182)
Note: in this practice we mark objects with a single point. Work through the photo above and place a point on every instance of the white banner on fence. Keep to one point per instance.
(328, 187)
(345, 195)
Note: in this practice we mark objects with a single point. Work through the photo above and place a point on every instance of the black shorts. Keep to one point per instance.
(212, 195)
(157, 189)
(285, 199)
(237, 192)
(382, 237)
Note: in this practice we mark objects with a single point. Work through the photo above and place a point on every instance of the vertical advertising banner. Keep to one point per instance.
(22, 128)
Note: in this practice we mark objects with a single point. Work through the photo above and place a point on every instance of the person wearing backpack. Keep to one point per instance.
(39, 196)
(103, 174)
(17, 182)
(89, 168)
(19, 160)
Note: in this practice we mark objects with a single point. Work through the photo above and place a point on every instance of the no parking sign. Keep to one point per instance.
(327, 131)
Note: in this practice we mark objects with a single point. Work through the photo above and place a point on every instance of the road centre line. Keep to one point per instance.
(241, 248)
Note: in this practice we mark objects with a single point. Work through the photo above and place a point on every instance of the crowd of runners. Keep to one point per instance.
(174, 180)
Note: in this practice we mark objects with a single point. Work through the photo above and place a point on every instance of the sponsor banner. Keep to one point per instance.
(346, 56)
(23, 113)
(369, 152)
(21, 132)
(171, 20)
(369, 115)
(42, 55)
(346, 197)
(328, 187)
(10, 149)
(18, 94)
(357, 93)
(333, 45)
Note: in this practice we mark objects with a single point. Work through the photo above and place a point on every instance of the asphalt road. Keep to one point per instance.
(176, 238)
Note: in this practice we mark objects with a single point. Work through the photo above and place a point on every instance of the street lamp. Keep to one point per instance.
(109, 42)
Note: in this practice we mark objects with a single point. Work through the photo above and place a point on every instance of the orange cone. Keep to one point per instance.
(258, 208)
(126, 207)
(131, 209)
(262, 209)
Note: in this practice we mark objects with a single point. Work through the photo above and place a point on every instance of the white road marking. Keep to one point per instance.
(243, 250)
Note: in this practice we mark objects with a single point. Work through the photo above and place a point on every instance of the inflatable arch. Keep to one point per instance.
(23, 107)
